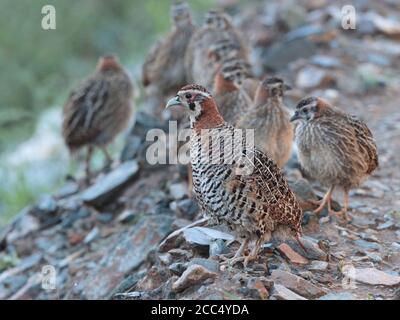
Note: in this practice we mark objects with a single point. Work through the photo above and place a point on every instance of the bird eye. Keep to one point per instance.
(305, 110)
(188, 96)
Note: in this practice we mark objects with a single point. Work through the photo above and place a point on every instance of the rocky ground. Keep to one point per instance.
(124, 237)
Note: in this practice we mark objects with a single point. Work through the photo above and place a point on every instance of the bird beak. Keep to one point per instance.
(295, 117)
(286, 87)
(173, 102)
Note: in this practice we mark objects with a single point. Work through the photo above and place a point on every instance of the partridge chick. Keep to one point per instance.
(235, 183)
(163, 70)
(218, 27)
(335, 148)
(271, 121)
(98, 109)
(230, 98)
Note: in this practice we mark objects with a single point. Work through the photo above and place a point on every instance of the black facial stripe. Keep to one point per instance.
(192, 106)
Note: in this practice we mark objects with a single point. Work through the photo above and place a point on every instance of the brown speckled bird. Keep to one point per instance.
(218, 27)
(235, 183)
(163, 71)
(231, 98)
(98, 109)
(335, 148)
(271, 121)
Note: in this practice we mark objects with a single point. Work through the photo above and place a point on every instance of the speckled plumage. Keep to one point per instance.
(271, 121)
(99, 108)
(255, 205)
(163, 71)
(335, 148)
(199, 65)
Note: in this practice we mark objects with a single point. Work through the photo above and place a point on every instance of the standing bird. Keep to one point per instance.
(231, 98)
(98, 109)
(271, 121)
(163, 71)
(218, 27)
(235, 183)
(335, 148)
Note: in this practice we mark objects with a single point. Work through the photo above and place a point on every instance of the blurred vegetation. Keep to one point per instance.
(39, 66)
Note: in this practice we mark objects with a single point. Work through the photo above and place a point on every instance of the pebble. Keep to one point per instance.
(187, 209)
(204, 236)
(372, 276)
(338, 296)
(209, 264)
(283, 293)
(178, 190)
(385, 225)
(367, 244)
(92, 235)
(193, 275)
(126, 216)
(217, 247)
(178, 268)
(257, 289)
(292, 255)
(318, 265)
(297, 284)
(105, 217)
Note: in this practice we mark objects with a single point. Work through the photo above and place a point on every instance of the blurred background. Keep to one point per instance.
(39, 69)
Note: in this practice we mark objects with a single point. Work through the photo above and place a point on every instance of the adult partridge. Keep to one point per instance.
(235, 183)
(98, 109)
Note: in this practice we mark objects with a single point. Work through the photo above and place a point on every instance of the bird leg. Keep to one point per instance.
(87, 163)
(107, 156)
(343, 213)
(254, 252)
(326, 200)
(239, 255)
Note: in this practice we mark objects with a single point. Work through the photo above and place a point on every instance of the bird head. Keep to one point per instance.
(180, 14)
(108, 62)
(199, 104)
(218, 20)
(275, 86)
(309, 108)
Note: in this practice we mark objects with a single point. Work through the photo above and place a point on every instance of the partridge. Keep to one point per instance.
(271, 121)
(218, 27)
(98, 109)
(234, 182)
(230, 97)
(335, 148)
(163, 70)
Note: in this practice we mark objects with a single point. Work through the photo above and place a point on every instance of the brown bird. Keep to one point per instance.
(218, 27)
(163, 71)
(335, 148)
(229, 95)
(271, 121)
(235, 183)
(98, 109)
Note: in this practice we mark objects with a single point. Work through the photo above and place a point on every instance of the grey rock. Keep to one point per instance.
(204, 236)
(178, 190)
(24, 224)
(217, 247)
(178, 267)
(193, 275)
(129, 251)
(325, 61)
(296, 284)
(209, 264)
(105, 217)
(395, 246)
(126, 216)
(68, 189)
(92, 235)
(338, 296)
(109, 186)
(310, 77)
(187, 209)
(372, 276)
(385, 225)
(374, 257)
(367, 245)
(47, 204)
(318, 265)
(283, 293)
(11, 285)
(279, 55)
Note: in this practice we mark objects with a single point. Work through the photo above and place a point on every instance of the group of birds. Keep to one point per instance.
(334, 148)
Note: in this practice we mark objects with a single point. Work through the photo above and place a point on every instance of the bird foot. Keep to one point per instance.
(230, 262)
(341, 214)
